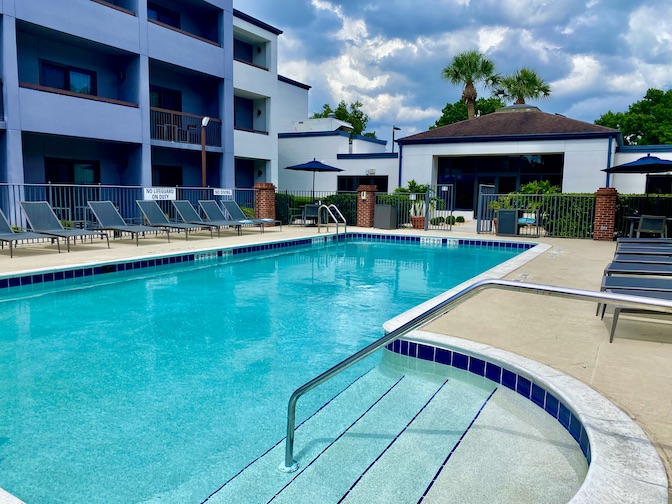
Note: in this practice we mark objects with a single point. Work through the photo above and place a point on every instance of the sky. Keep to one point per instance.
(597, 55)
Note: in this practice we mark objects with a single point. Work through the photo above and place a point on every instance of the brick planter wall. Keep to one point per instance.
(264, 202)
(366, 207)
(605, 214)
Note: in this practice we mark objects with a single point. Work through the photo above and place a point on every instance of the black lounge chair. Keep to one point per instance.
(188, 214)
(110, 219)
(156, 218)
(638, 268)
(237, 213)
(213, 213)
(9, 236)
(643, 258)
(42, 219)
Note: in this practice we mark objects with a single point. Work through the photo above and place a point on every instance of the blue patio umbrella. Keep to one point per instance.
(314, 166)
(646, 164)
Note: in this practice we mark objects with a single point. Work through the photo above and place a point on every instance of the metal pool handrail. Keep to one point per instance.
(328, 209)
(443, 307)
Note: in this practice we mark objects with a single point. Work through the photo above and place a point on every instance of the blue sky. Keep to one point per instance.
(597, 55)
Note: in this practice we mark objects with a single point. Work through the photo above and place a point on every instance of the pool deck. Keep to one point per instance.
(634, 372)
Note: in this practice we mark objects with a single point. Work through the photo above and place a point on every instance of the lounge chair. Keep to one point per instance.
(110, 219)
(9, 236)
(156, 218)
(643, 258)
(237, 213)
(213, 213)
(42, 219)
(652, 224)
(188, 214)
(664, 294)
(638, 268)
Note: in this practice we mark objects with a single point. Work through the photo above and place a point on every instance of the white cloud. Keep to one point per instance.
(586, 74)
(490, 37)
(650, 32)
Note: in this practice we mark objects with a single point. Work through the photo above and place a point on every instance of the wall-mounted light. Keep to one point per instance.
(258, 49)
(258, 112)
(363, 195)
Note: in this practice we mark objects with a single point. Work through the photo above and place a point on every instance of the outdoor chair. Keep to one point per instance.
(156, 218)
(188, 214)
(9, 236)
(658, 294)
(110, 219)
(237, 213)
(42, 219)
(213, 213)
(652, 224)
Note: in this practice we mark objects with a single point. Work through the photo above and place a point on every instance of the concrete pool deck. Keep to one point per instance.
(634, 371)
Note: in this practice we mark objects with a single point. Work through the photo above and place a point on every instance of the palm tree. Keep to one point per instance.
(522, 84)
(469, 68)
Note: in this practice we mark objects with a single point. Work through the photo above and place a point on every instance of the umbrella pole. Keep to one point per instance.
(313, 186)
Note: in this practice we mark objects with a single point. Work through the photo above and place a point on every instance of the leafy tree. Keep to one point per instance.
(455, 112)
(522, 84)
(647, 122)
(470, 68)
(351, 114)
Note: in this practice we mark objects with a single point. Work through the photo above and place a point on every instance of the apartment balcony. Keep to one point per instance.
(180, 127)
(60, 112)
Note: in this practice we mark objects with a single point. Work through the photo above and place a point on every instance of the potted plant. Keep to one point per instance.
(417, 212)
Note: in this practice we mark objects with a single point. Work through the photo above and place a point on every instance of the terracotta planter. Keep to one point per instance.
(418, 221)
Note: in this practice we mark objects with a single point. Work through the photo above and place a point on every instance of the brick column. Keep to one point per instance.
(264, 202)
(366, 207)
(605, 214)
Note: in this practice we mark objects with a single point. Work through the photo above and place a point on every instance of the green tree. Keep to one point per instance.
(647, 122)
(352, 114)
(469, 68)
(521, 85)
(455, 112)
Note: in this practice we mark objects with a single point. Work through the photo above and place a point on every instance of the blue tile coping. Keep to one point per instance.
(500, 375)
(34, 278)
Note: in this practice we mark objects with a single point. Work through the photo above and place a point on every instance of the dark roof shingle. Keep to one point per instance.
(507, 123)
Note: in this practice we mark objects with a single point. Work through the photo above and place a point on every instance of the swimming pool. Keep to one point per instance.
(202, 352)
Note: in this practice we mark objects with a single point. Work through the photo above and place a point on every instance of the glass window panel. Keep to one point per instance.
(80, 82)
(53, 76)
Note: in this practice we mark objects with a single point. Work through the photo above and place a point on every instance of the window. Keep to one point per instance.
(166, 176)
(71, 171)
(169, 99)
(68, 78)
(351, 183)
(659, 184)
(243, 51)
(242, 113)
(163, 15)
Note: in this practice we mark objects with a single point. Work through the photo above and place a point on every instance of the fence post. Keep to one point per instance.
(264, 202)
(605, 214)
(366, 205)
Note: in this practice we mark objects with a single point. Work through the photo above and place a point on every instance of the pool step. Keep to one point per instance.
(383, 440)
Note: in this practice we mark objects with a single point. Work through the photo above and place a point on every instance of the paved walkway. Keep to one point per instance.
(635, 371)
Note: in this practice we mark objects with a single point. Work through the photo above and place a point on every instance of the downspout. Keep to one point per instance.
(401, 151)
(611, 140)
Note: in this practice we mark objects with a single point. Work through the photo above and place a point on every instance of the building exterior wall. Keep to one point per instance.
(127, 53)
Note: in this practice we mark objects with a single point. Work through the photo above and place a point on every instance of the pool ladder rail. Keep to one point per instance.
(334, 213)
(291, 465)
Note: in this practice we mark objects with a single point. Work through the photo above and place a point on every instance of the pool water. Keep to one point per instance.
(121, 391)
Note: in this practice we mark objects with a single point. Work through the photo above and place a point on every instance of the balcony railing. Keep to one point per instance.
(171, 126)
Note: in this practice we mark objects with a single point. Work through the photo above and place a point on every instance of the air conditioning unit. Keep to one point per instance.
(371, 171)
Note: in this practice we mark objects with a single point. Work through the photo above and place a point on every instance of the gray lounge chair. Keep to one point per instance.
(664, 294)
(110, 219)
(188, 214)
(643, 258)
(652, 224)
(213, 213)
(237, 213)
(156, 218)
(42, 219)
(9, 236)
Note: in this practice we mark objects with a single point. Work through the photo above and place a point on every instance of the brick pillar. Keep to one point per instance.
(264, 202)
(605, 214)
(365, 207)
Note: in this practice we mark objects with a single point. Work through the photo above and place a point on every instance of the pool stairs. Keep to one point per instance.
(383, 439)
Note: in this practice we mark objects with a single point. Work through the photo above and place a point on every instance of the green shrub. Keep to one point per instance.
(437, 221)
(459, 219)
